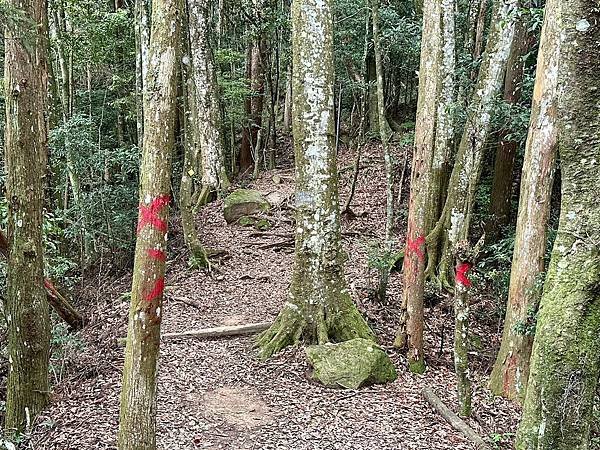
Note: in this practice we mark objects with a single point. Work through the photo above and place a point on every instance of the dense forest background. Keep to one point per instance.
(408, 78)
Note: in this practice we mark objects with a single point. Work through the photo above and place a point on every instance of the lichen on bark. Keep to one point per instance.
(565, 362)
(511, 369)
(26, 309)
(319, 308)
(138, 394)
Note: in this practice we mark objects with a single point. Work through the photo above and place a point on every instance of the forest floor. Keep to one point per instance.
(218, 395)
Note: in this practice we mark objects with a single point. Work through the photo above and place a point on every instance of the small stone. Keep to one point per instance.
(350, 364)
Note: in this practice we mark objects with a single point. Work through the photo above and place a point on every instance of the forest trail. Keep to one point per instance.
(216, 394)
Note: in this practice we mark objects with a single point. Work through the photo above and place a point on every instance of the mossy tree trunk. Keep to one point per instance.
(138, 395)
(433, 142)
(26, 83)
(319, 308)
(467, 167)
(565, 362)
(511, 369)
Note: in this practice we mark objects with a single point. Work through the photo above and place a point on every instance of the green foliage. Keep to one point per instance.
(108, 187)
(64, 345)
(501, 440)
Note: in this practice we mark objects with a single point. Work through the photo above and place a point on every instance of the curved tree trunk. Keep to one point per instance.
(26, 83)
(565, 362)
(467, 168)
(138, 395)
(511, 370)
(319, 308)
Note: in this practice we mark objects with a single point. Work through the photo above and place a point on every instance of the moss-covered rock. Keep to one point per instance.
(244, 202)
(350, 364)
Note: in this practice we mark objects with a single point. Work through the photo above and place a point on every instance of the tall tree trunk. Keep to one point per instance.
(565, 362)
(287, 109)
(384, 132)
(138, 395)
(445, 125)
(246, 144)
(142, 42)
(511, 370)
(371, 76)
(478, 44)
(26, 84)
(319, 308)
(502, 182)
(467, 168)
(208, 124)
(433, 143)
(197, 135)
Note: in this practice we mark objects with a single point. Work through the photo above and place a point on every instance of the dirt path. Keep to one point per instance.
(217, 395)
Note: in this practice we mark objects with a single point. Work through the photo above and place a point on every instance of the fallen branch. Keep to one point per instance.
(214, 333)
(456, 422)
(58, 301)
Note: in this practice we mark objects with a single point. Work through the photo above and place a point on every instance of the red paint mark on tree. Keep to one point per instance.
(416, 247)
(461, 274)
(157, 290)
(149, 215)
(157, 254)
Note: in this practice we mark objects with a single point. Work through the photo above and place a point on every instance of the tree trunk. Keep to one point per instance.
(195, 129)
(467, 168)
(384, 132)
(287, 109)
(565, 362)
(26, 84)
(142, 41)
(372, 97)
(138, 395)
(502, 182)
(59, 303)
(208, 124)
(461, 338)
(511, 370)
(444, 127)
(319, 308)
(410, 332)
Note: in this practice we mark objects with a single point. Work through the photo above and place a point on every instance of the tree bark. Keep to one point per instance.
(565, 362)
(55, 299)
(198, 136)
(208, 125)
(467, 168)
(142, 40)
(433, 142)
(26, 84)
(384, 132)
(319, 308)
(138, 395)
(511, 369)
(504, 163)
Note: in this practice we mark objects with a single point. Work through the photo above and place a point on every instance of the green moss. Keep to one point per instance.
(244, 202)
(350, 364)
